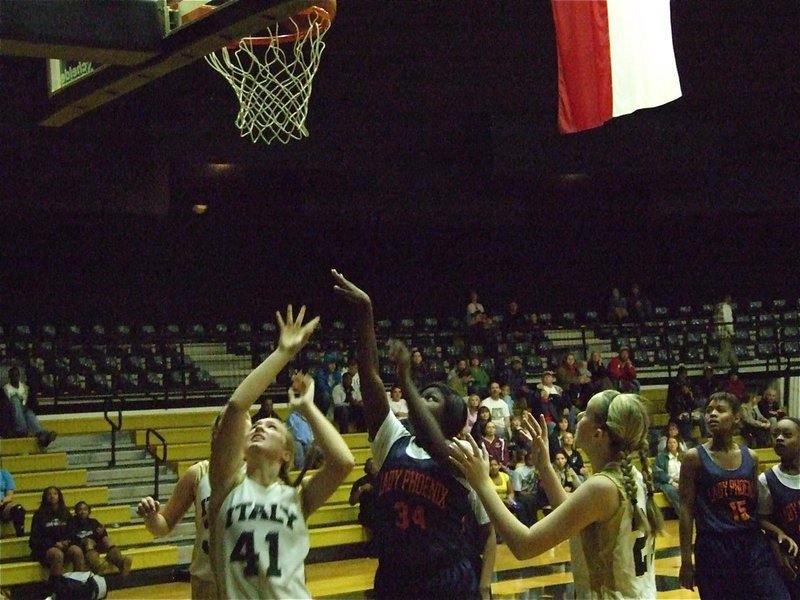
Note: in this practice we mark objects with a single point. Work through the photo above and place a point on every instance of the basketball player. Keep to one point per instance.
(259, 535)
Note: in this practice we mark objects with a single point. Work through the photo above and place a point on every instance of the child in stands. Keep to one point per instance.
(91, 536)
(718, 492)
(50, 540)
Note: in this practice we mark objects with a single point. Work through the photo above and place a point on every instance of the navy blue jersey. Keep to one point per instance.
(419, 513)
(785, 506)
(726, 499)
(85, 529)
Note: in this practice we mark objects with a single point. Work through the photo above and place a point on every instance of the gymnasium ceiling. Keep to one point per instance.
(411, 88)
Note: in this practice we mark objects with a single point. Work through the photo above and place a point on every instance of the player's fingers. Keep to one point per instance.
(290, 315)
(280, 320)
(309, 327)
(475, 449)
(299, 320)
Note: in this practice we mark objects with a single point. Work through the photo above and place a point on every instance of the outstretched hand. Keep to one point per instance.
(294, 334)
(147, 507)
(349, 290)
(536, 432)
(301, 392)
(399, 354)
(473, 462)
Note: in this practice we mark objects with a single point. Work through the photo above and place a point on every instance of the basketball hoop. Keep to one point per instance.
(272, 74)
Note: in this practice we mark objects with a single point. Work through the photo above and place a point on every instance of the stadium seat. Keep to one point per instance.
(790, 333)
(779, 304)
(755, 306)
(767, 350)
(743, 320)
(591, 317)
(147, 332)
(707, 309)
(568, 319)
(765, 319)
(661, 312)
(790, 349)
(712, 353)
(197, 331)
(741, 335)
(743, 352)
(545, 319)
(48, 332)
(790, 318)
(646, 342)
(766, 334)
(685, 311)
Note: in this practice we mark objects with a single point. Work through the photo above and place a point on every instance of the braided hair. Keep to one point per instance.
(626, 421)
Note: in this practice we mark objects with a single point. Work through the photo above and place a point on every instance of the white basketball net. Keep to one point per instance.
(273, 81)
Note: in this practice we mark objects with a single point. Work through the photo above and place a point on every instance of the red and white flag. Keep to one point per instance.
(614, 57)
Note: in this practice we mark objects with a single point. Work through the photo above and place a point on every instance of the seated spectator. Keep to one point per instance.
(50, 537)
(495, 446)
(667, 472)
(420, 373)
(672, 431)
(461, 382)
(91, 537)
(502, 484)
(505, 394)
(476, 313)
(348, 407)
(10, 511)
(639, 307)
(734, 385)
(705, 385)
(306, 454)
(546, 399)
(570, 380)
(480, 378)
(565, 473)
(363, 493)
(756, 428)
(267, 410)
(514, 321)
(771, 407)
(501, 415)
(479, 428)
(574, 458)
(622, 372)
(681, 378)
(556, 439)
(516, 379)
(680, 404)
(617, 307)
(473, 406)
(398, 404)
(600, 380)
(22, 409)
(525, 482)
(326, 378)
(355, 378)
(461, 365)
(519, 439)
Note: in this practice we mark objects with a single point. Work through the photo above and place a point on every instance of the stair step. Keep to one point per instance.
(132, 493)
(130, 474)
(85, 459)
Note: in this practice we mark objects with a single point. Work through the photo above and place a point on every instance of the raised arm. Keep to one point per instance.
(373, 390)
(338, 460)
(228, 450)
(537, 432)
(160, 521)
(596, 500)
(426, 427)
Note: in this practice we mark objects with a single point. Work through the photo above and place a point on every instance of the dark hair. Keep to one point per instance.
(77, 504)
(728, 398)
(61, 509)
(454, 410)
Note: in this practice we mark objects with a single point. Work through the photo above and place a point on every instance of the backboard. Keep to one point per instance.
(96, 52)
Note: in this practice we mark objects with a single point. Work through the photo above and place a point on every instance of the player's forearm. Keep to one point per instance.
(514, 532)
(335, 450)
(259, 380)
(685, 531)
(157, 525)
(425, 425)
(556, 494)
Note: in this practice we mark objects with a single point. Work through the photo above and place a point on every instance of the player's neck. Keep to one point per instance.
(722, 443)
(791, 466)
(265, 473)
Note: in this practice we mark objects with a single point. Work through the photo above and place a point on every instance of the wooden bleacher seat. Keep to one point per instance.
(65, 478)
(94, 496)
(26, 463)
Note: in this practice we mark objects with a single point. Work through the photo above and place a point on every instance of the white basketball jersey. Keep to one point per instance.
(201, 564)
(612, 559)
(261, 542)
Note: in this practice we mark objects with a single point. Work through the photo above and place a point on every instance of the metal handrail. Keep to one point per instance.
(158, 460)
(115, 427)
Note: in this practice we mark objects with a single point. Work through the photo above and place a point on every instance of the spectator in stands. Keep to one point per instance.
(501, 415)
(326, 378)
(505, 394)
(680, 404)
(723, 317)
(547, 399)
(352, 368)
(566, 474)
(672, 431)
(756, 428)
(622, 372)
(476, 313)
(91, 536)
(363, 493)
(518, 438)
(461, 382)
(480, 378)
(420, 374)
(514, 321)
(267, 410)
(734, 385)
(495, 446)
(706, 384)
(460, 365)
(771, 407)
(600, 379)
(517, 381)
(681, 378)
(348, 407)
(10, 511)
(570, 380)
(50, 537)
(304, 456)
(502, 483)
(639, 307)
(574, 458)
(479, 428)
(667, 472)
(399, 406)
(617, 307)
(556, 439)
(525, 482)
(22, 408)
(473, 406)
